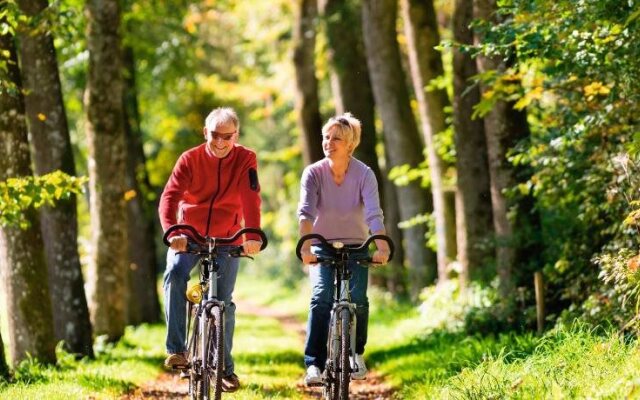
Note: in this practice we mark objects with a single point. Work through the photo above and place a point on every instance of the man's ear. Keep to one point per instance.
(204, 132)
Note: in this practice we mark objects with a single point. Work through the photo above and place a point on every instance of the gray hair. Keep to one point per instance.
(221, 116)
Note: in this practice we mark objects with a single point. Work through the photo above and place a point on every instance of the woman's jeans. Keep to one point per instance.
(176, 277)
(323, 284)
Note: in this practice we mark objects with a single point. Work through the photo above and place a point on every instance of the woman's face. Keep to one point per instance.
(221, 140)
(334, 146)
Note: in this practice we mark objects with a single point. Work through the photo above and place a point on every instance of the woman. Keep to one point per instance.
(339, 200)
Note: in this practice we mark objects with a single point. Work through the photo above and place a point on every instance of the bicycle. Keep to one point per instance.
(342, 326)
(205, 346)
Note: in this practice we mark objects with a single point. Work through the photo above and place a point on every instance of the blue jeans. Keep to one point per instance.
(176, 277)
(323, 284)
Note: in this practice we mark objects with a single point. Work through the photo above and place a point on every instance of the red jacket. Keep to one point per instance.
(214, 195)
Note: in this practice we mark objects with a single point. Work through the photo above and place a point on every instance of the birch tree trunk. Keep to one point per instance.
(51, 144)
(421, 31)
(107, 163)
(473, 216)
(307, 102)
(402, 140)
(23, 268)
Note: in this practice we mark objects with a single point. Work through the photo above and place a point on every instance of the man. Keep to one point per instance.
(213, 187)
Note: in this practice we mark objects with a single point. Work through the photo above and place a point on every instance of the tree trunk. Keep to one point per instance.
(52, 151)
(107, 163)
(504, 127)
(474, 217)
(23, 269)
(402, 141)
(352, 92)
(421, 30)
(143, 304)
(4, 368)
(307, 102)
(352, 89)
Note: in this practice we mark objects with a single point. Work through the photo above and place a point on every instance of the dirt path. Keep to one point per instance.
(169, 386)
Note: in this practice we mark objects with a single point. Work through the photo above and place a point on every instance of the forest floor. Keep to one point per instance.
(169, 386)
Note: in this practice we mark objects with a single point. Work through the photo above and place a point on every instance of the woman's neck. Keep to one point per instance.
(339, 168)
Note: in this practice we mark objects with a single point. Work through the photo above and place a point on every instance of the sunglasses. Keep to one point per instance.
(343, 121)
(222, 136)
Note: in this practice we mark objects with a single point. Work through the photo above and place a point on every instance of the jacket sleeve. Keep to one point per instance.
(250, 193)
(173, 192)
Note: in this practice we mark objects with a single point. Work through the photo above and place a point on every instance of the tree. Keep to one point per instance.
(107, 163)
(143, 304)
(503, 128)
(23, 268)
(402, 141)
(4, 368)
(421, 30)
(352, 92)
(47, 121)
(307, 102)
(474, 217)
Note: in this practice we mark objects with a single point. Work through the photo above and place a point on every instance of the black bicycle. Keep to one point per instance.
(342, 327)
(205, 344)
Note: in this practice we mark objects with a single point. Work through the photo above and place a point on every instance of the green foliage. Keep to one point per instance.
(17, 195)
(573, 68)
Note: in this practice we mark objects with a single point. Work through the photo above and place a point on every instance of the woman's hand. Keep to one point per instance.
(380, 257)
(308, 257)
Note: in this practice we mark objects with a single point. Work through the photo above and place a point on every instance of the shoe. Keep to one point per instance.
(358, 367)
(313, 377)
(176, 361)
(230, 383)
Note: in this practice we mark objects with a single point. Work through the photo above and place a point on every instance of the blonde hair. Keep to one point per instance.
(346, 127)
(221, 116)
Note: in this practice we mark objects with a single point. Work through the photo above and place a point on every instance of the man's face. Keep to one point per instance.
(222, 139)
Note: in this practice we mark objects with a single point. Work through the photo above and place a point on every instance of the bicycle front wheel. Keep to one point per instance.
(344, 367)
(215, 353)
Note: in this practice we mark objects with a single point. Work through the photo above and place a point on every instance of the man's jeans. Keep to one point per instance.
(176, 277)
(322, 283)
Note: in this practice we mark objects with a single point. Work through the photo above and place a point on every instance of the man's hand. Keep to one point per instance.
(380, 257)
(178, 243)
(308, 257)
(251, 247)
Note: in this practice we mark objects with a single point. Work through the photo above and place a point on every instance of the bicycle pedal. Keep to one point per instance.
(184, 374)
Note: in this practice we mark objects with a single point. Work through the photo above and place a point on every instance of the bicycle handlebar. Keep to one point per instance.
(344, 250)
(197, 237)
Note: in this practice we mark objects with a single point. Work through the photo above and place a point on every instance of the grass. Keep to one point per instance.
(420, 363)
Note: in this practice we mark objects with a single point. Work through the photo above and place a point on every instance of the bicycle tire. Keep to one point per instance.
(196, 391)
(215, 351)
(344, 367)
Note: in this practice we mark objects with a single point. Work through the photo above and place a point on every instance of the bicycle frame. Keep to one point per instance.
(206, 343)
(342, 326)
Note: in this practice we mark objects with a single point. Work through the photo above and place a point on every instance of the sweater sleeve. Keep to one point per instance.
(309, 194)
(250, 193)
(371, 199)
(173, 192)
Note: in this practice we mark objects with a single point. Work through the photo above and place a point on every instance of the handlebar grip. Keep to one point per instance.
(306, 237)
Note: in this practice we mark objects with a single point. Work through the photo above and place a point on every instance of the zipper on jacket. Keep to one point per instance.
(214, 196)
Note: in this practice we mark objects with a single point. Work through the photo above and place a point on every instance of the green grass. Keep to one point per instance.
(421, 363)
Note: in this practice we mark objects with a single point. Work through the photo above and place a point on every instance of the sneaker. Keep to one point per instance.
(176, 361)
(358, 367)
(230, 383)
(313, 377)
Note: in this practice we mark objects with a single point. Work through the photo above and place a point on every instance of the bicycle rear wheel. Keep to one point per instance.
(215, 352)
(344, 368)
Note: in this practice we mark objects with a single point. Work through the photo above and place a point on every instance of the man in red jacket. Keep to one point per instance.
(213, 187)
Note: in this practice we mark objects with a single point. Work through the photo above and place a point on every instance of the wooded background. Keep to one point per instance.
(504, 135)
